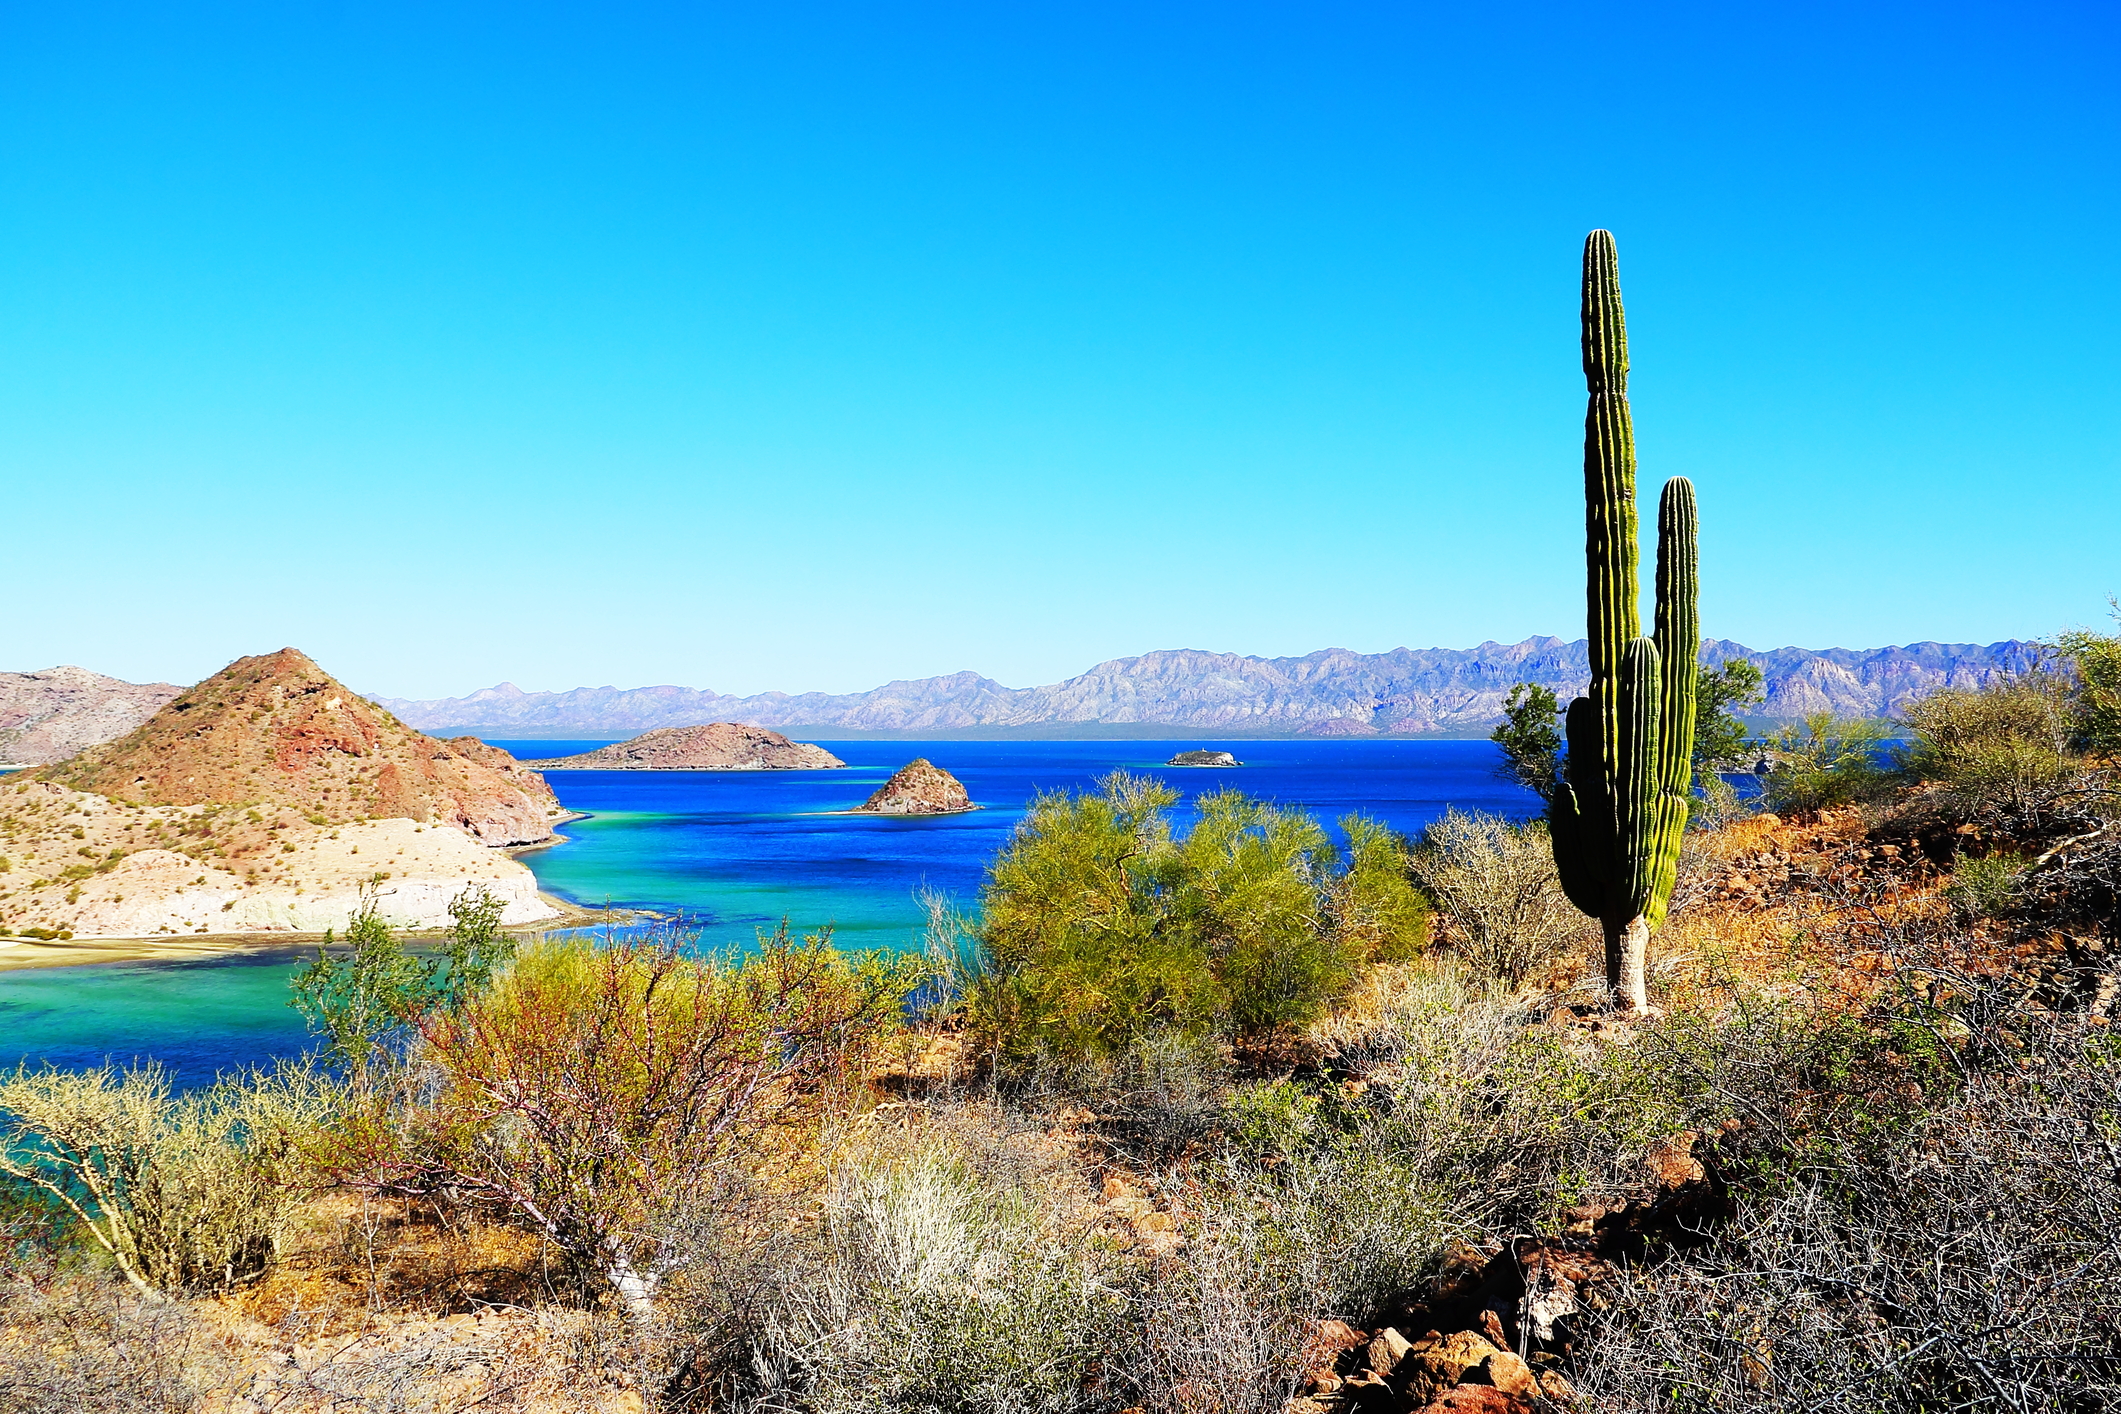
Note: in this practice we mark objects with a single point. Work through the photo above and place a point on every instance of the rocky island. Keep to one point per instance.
(918, 788)
(718, 746)
(1204, 758)
(266, 799)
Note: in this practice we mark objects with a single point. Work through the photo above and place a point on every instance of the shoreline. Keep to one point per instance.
(550, 841)
(541, 767)
(28, 954)
(895, 814)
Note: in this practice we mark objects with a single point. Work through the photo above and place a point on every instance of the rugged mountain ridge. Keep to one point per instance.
(49, 715)
(1333, 692)
(277, 730)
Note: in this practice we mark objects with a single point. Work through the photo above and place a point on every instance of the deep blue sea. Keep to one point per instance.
(733, 852)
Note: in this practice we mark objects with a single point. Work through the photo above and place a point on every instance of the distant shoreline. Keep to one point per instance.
(541, 768)
(1132, 731)
(31, 953)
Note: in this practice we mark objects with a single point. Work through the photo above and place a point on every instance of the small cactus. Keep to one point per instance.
(1622, 805)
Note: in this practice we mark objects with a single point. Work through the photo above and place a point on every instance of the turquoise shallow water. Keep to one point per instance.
(733, 852)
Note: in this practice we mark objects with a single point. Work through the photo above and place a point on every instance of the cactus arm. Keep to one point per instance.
(1576, 820)
(1678, 631)
(1636, 793)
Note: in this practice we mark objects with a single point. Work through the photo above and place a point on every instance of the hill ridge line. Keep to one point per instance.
(1328, 692)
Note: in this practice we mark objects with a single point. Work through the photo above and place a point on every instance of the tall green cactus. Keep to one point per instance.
(1622, 805)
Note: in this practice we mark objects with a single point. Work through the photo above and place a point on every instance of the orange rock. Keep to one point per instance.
(1477, 1399)
(1671, 1162)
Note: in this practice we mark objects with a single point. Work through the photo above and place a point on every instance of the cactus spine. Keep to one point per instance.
(1622, 805)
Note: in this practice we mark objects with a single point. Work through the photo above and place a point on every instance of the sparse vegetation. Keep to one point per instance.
(1495, 883)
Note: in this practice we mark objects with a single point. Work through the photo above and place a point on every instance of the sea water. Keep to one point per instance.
(731, 853)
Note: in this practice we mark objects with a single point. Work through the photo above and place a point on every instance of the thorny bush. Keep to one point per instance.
(593, 1092)
(182, 1192)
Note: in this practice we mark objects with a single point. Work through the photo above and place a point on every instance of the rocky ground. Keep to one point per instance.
(50, 715)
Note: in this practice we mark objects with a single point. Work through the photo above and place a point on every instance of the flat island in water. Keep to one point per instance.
(1204, 758)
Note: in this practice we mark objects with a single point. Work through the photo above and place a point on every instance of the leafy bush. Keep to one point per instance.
(2095, 702)
(367, 1002)
(1531, 740)
(1721, 740)
(1828, 762)
(1373, 903)
(1496, 882)
(1983, 888)
(182, 1192)
(1099, 925)
(2002, 746)
(593, 1092)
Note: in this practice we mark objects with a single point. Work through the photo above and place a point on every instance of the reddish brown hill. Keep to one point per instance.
(279, 730)
(918, 788)
(718, 746)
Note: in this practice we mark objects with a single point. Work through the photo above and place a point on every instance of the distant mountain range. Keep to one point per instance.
(1188, 692)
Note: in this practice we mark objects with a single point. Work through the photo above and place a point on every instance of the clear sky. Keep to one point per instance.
(809, 345)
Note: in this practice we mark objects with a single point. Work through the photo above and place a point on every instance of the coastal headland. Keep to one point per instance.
(266, 800)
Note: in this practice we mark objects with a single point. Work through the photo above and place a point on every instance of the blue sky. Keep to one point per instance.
(810, 345)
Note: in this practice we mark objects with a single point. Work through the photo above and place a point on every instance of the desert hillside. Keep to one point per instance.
(277, 730)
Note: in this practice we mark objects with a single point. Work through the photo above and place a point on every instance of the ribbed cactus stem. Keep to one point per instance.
(1622, 806)
(1612, 620)
(1678, 629)
(1636, 792)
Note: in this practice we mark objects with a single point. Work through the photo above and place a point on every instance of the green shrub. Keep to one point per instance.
(1100, 925)
(1828, 762)
(367, 1001)
(1531, 740)
(1983, 888)
(2095, 702)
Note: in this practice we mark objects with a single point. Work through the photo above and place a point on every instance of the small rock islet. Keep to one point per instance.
(918, 788)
